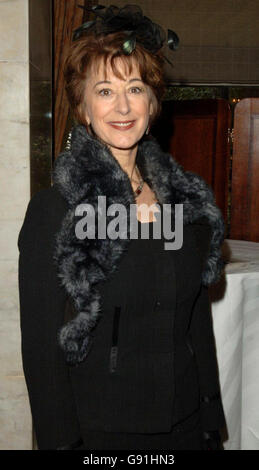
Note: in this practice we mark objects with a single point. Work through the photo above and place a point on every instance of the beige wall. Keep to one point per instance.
(15, 417)
(219, 40)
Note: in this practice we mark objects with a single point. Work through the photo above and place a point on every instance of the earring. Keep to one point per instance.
(147, 130)
(87, 126)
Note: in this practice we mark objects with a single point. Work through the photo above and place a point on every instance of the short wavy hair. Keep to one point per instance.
(90, 51)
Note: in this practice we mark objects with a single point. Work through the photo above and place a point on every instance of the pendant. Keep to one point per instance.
(139, 188)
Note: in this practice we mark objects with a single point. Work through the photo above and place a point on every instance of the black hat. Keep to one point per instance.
(129, 19)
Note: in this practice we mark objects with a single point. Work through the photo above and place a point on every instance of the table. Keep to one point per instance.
(235, 312)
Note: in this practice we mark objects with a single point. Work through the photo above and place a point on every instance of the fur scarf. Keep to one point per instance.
(87, 170)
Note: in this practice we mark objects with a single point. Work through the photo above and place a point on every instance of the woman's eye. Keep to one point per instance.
(136, 89)
(105, 92)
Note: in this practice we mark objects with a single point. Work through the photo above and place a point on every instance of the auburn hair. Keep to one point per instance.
(87, 53)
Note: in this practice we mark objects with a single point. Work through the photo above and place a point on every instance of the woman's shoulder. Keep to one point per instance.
(48, 198)
(46, 204)
(43, 215)
(202, 225)
(202, 232)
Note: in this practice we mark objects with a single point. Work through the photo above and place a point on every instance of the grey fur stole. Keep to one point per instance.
(88, 170)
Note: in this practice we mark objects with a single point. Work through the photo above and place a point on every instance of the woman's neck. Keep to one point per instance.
(127, 160)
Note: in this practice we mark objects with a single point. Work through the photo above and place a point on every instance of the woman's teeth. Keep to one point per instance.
(121, 123)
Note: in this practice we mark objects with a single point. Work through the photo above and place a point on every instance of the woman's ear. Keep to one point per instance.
(87, 118)
(151, 108)
(86, 114)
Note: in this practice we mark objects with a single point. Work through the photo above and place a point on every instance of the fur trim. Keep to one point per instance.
(88, 170)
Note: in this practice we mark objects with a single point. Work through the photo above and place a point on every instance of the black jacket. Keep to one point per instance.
(52, 280)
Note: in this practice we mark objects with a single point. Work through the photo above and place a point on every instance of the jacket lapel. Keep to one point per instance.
(88, 170)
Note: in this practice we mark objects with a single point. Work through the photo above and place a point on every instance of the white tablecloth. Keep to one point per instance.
(235, 311)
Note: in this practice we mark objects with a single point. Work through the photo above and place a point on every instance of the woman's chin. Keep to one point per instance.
(125, 142)
(124, 146)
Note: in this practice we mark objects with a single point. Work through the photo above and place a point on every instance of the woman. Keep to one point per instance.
(117, 338)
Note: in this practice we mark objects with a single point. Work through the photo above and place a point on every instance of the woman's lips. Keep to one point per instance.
(122, 125)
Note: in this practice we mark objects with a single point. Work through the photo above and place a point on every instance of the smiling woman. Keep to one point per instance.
(117, 339)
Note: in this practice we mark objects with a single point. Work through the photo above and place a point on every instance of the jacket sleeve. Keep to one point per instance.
(42, 305)
(203, 341)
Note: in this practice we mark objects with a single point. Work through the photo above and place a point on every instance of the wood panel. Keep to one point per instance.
(67, 17)
(40, 64)
(195, 132)
(244, 220)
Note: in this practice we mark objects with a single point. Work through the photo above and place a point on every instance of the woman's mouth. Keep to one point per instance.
(122, 125)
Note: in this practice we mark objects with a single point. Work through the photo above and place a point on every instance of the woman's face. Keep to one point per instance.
(117, 109)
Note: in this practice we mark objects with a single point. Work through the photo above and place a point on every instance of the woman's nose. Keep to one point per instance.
(122, 103)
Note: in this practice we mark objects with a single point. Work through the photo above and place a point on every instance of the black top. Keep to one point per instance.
(133, 352)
